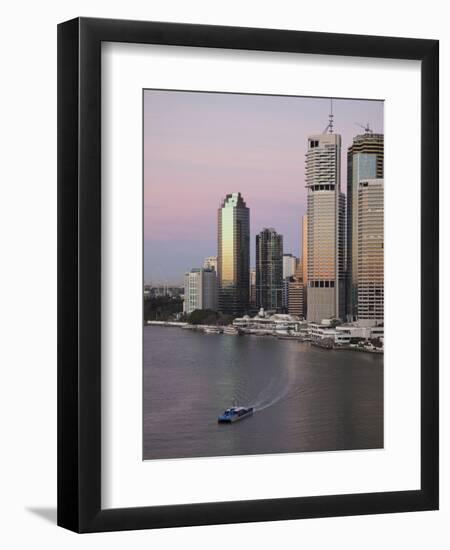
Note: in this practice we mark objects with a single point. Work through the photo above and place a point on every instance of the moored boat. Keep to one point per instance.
(211, 330)
(231, 330)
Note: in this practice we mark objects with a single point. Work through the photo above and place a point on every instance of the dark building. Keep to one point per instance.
(269, 270)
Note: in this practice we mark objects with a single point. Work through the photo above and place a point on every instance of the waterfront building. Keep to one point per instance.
(269, 270)
(371, 251)
(233, 255)
(365, 160)
(200, 289)
(343, 334)
(265, 323)
(325, 228)
(210, 263)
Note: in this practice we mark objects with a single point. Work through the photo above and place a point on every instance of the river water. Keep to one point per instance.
(306, 398)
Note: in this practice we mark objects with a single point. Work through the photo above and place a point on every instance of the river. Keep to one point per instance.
(306, 398)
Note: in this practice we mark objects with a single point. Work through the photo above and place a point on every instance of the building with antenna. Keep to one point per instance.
(325, 227)
(365, 160)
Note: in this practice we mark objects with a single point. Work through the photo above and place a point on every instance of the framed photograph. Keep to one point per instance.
(247, 275)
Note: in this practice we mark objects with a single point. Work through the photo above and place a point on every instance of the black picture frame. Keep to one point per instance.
(79, 274)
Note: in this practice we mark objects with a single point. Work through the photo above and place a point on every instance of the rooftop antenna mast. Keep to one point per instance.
(330, 124)
(329, 127)
(367, 129)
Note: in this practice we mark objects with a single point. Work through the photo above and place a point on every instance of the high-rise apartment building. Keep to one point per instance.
(325, 230)
(233, 255)
(365, 160)
(371, 251)
(200, 290)
(269, 270)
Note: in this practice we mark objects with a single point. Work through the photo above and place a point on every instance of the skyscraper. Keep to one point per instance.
(269, 270)
(365, 160)
(370, 251)
(325, 230)
(200, 289)
(233, 255)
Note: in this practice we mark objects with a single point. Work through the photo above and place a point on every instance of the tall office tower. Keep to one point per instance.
(370, 251)
(200, 289)
(290, 263)
(210, 263)
(253, 287)
(326, 211)
(233, 257)
(295, 296)
(269, 270)
(365, 160)
(304, 260)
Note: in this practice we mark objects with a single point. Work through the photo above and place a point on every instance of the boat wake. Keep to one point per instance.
(276, 391)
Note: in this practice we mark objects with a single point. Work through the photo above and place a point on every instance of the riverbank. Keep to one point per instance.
(231, 330)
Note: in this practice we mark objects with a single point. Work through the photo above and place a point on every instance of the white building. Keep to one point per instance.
(290, 263)
(343, 334)
(278, 323)
(370, 289)
(325, 229)
(200, 290)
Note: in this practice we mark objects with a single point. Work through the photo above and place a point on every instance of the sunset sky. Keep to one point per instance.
(200, 146)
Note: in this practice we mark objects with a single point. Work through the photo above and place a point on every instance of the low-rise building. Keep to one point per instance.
(266, 322)
(200, 289)
(344, 334)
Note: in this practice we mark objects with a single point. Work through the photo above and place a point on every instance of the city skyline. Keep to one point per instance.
(258, 149)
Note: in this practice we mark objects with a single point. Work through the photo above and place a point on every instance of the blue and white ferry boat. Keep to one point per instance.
(233, 414)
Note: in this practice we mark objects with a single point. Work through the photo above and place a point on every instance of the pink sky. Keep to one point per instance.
(200, 146)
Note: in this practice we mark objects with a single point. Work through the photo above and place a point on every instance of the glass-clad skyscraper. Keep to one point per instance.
(269, 270)
(365, 160)
(325, 231)
(233, 255)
